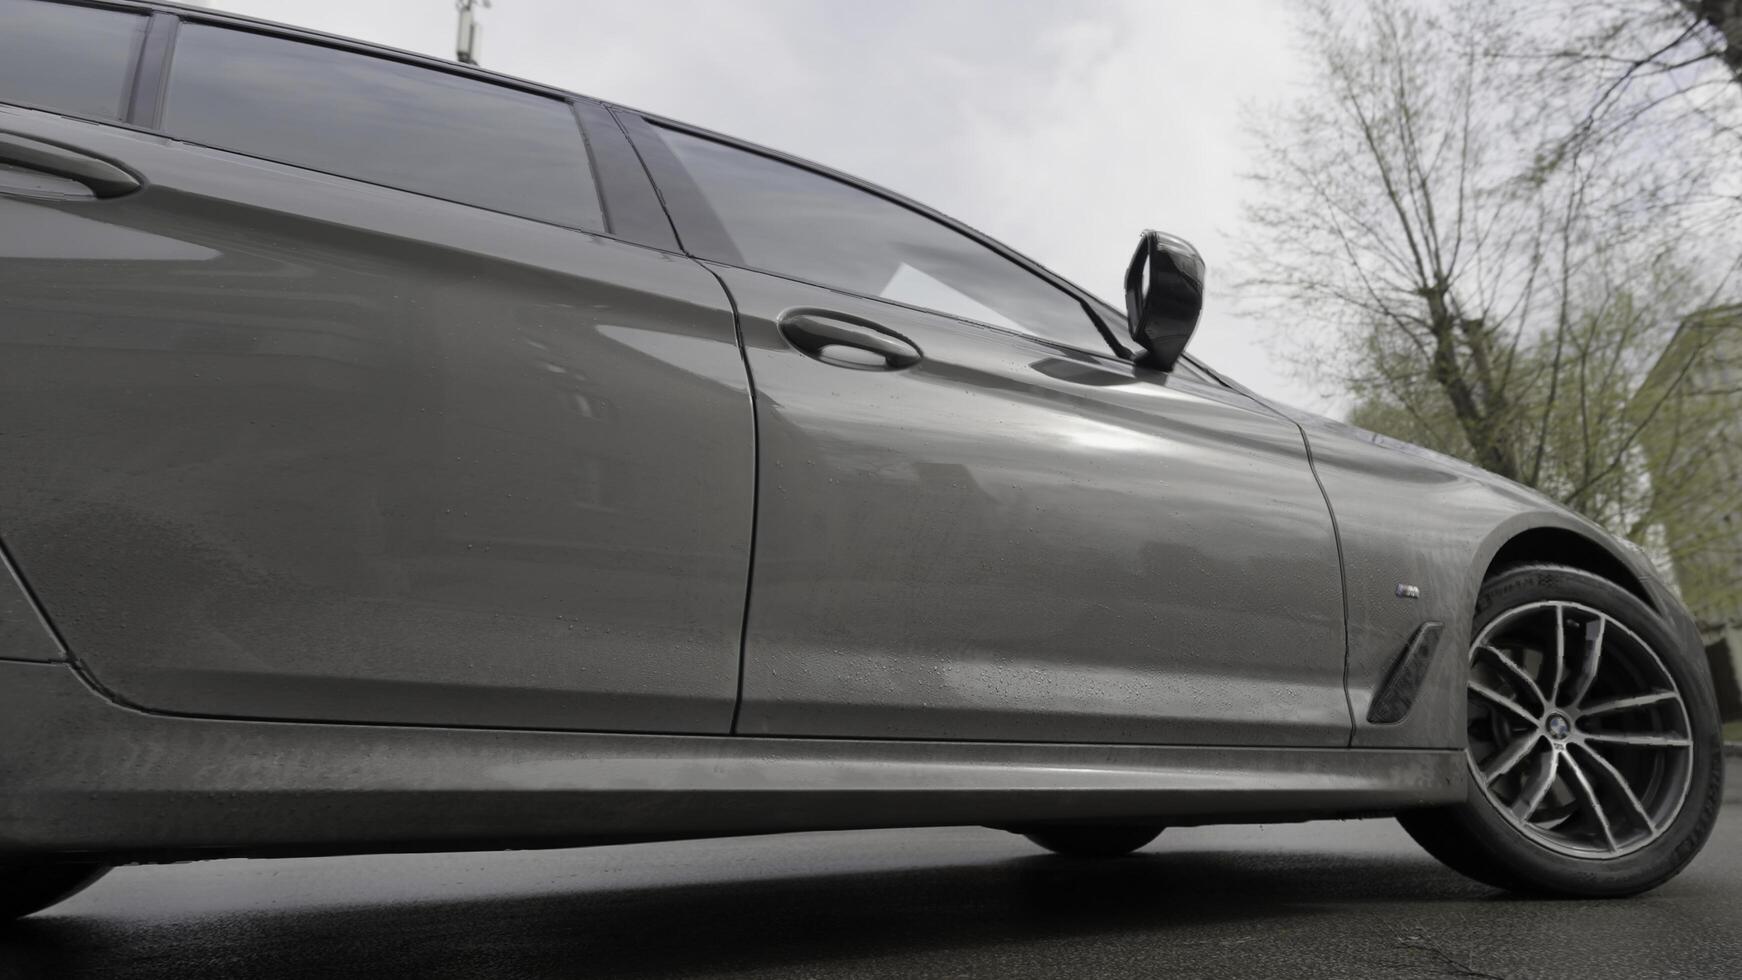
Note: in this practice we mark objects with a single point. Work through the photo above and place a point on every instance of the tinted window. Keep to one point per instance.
(381, 121)
(788, 220)
(71, 59)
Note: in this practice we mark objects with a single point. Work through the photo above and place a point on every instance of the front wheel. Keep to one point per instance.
(1593, 743)
(1088, 841)
(27, 888)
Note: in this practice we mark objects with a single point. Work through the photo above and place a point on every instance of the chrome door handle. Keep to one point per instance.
(104, 179)
(831, 338)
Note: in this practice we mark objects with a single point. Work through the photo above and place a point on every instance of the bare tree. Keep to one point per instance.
(1724, 18)
(1672, 68)
(1660, 46)
(1487, 259)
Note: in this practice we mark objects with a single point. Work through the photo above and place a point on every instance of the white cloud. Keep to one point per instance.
(1061, 129)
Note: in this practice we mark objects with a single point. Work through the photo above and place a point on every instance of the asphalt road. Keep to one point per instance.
(1349, 899)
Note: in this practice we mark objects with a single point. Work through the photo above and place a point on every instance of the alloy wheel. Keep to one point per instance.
(1578, 734)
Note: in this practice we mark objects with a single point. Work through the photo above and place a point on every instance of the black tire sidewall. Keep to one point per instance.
(1538, 868)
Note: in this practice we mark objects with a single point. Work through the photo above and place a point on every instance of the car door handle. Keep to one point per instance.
(104, 179)
(848, 343)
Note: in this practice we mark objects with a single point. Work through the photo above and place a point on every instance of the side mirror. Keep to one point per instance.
(1164, 293)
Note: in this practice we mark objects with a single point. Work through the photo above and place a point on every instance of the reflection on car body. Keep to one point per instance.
(405, 457)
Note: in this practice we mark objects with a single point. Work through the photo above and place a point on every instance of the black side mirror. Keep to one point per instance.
(1164, 293)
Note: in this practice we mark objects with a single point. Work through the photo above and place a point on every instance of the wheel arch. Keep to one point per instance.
(1556, 540)
(1505, 535)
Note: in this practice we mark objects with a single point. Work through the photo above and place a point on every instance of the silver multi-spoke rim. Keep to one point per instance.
(1578, 734)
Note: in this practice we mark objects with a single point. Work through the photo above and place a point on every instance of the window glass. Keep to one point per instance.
(70, 59)
(381, 121)
(788, 220)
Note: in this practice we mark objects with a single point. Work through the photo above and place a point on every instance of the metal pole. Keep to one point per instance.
(466, 45)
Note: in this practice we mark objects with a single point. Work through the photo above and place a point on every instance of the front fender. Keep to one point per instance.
(1408, 517)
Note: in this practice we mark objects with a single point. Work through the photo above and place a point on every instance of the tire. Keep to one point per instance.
(27, 888)
(1090, 841)
(1610, 835)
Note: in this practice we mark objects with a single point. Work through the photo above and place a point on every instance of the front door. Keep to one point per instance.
(972, 525)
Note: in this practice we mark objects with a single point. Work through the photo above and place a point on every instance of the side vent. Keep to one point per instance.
(1396, 695)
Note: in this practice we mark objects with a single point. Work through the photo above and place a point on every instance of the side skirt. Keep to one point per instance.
(84, 776)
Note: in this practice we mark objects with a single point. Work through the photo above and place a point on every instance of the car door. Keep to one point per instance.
(376, 401)
(975, 522)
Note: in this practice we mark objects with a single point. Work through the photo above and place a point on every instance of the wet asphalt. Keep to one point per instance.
(1334, 899)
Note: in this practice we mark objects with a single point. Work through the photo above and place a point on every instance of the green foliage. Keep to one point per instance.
(1485, 226)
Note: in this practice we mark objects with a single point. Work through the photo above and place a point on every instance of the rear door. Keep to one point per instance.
(974, 522)
(383, 398)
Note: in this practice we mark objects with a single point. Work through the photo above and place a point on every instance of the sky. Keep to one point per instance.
(1062, 129)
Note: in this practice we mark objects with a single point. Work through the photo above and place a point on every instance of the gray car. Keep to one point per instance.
(398, 456)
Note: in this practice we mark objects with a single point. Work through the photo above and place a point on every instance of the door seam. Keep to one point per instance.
(755, 496)
(1342, 570)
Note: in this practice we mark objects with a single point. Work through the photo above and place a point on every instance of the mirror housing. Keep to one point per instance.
(1164, 293)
